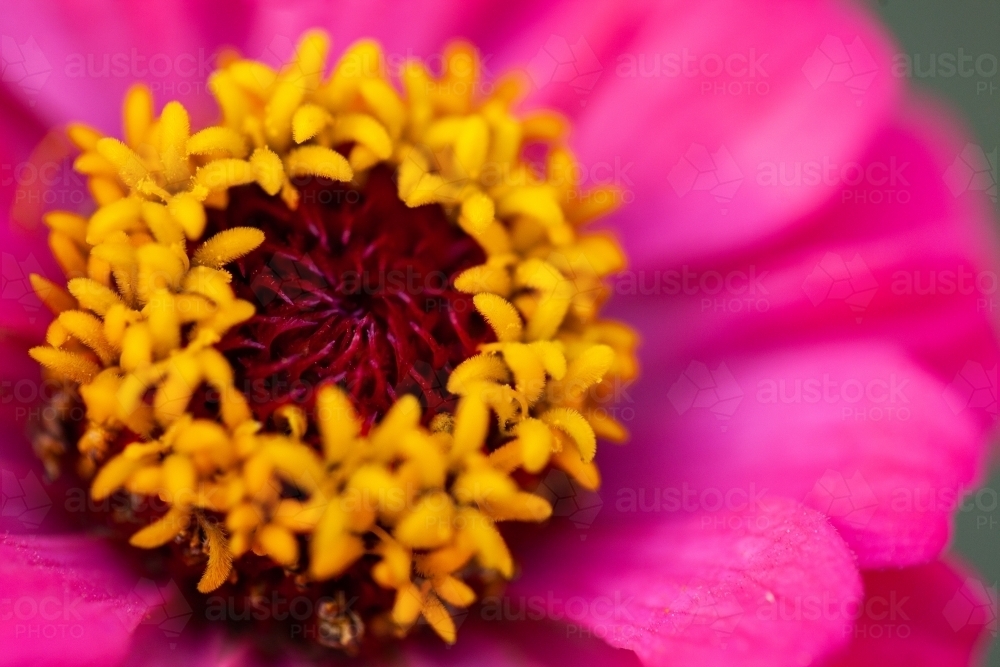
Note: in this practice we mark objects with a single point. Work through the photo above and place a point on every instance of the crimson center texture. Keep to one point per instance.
(351, 287)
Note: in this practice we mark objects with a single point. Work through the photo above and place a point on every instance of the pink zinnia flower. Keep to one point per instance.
(809, 269)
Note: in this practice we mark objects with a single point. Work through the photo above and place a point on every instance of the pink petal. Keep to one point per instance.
(23, 392)
(23, 247)
(921, 272)
(74, 60)
(934, 615)
(858, 431)
(65, 601)
(657, 125)
(842, 276)
(705, 588)
(78, 58)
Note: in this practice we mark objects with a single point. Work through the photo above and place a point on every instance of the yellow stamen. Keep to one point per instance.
(575, 426)
(338, 423)
(268, 170)
(318, 161)
(72, 225)
(227, 246)
(279, 543)
(129, 165)
(83, 136)
(138, 115)
(501, 316)
(221, 140)
(55, 298)
(439, 619)
(69, 365)
(220, 558)
(165, 529)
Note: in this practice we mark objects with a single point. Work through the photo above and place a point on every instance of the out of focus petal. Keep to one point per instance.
(23, 249)
(689, 106)
(934, 615)
(66, 602)
(914, 285)
(898, 255)
(80, 57)
(858, 431)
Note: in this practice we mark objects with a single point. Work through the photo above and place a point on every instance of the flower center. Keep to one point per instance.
(331, 345)
(352, 287)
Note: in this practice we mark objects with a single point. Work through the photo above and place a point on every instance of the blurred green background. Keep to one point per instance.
(931, 28)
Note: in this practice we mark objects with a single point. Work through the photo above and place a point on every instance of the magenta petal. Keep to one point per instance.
(855, 430)
(899, 256)
(22, 395)
(739, 352)
(23, 248)
(66, 601)
(78, 58)
(691, 107)
(705, 588)
(935, 615)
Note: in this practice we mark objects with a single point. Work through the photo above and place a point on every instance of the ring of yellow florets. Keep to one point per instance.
(140, 318)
